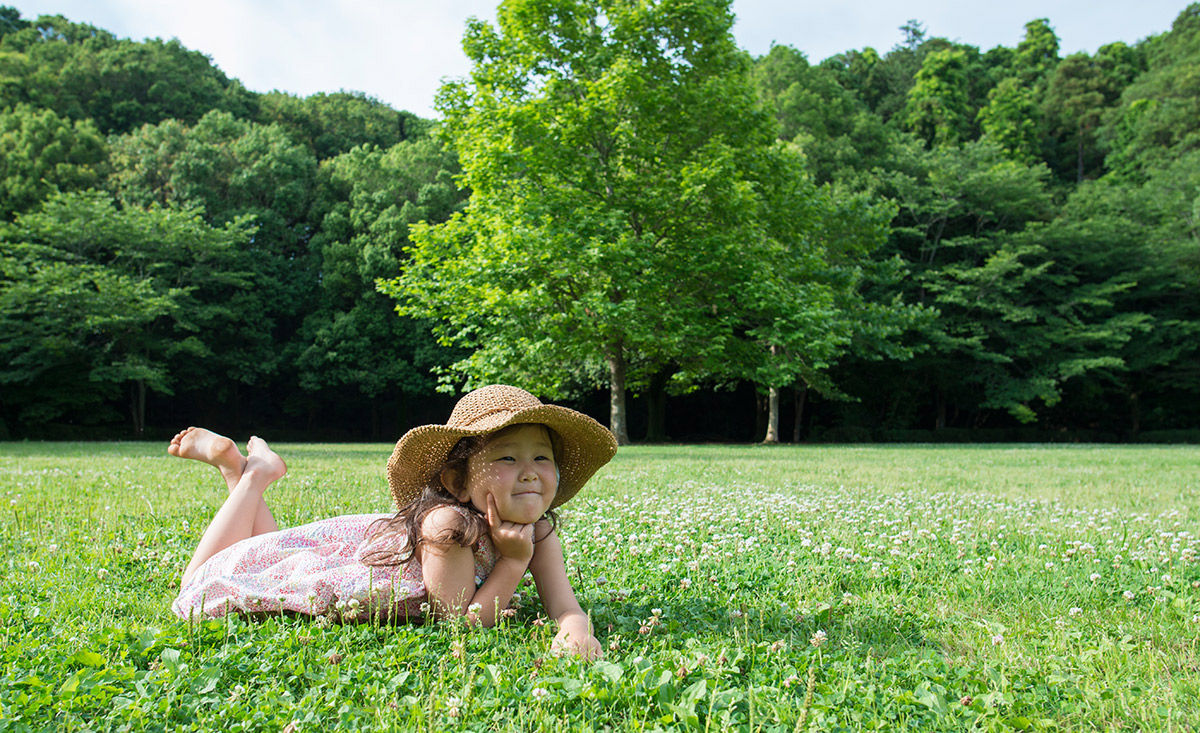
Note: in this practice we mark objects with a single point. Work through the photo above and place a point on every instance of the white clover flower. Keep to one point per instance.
(997, 639)
(474, 608)
(51, 548)
(1075, 611)
(736, 613)
(818, 638)
(101, 573)
(424, 608)
(33, 565)
(539, 693)
(1128, 595)
(655, 611)
(1094, 577)
(601, 580)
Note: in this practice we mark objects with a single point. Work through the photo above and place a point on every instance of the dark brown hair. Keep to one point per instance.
(391, 538)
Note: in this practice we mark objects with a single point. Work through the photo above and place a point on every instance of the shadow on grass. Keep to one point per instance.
(880, 632)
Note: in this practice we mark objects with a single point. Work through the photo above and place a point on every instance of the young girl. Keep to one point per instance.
(475, 497)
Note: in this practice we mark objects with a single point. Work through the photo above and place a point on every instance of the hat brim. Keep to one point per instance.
(584, 446)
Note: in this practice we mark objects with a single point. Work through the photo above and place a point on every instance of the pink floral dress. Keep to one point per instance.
(312, 569)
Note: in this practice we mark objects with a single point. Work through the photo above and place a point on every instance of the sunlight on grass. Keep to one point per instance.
(883, 587)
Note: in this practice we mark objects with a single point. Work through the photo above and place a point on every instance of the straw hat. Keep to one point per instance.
(585, 444)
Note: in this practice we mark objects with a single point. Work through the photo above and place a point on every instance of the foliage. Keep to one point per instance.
(82, 72)
(97, 298)
(332, 124)
(1156, 120)
(354, 338)
(937, 109)
(628, 188)
(600, 229)
(44, 153)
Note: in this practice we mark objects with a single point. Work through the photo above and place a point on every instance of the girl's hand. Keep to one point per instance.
(585, 646)
(512, 540)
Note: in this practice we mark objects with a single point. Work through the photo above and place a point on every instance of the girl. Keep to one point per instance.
(474, 496)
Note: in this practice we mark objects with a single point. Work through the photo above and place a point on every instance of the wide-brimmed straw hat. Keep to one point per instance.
(584, 445)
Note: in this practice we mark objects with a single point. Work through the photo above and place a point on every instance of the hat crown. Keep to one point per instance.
(493, 399)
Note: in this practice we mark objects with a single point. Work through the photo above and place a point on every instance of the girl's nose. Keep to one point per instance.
(528, 474)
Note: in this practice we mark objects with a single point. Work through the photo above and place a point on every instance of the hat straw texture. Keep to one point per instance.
(584, 446)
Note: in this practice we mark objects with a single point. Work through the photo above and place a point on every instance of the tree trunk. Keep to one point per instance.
(1135, 414)
(616, 395)
(801, 398)
(772, 415)
(656, 404)
(939, 401)
(138, 406)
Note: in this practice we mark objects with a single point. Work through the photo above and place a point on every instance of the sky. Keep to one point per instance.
(398, 51)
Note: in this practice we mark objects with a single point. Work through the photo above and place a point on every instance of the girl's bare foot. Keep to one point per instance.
(209, 447)
(261, 460)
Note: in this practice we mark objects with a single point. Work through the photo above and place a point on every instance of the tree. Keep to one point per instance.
(1017, 318)
(97, 298)
(229, 169)
(332, 124)
(1158, 117)
(44, 153)
(938, 104)
(839, 136)
(1008, 120)
(798, 304)
(610, 149)
(83, 72)
(351, 336)
(1037, 53)
(1080, 91)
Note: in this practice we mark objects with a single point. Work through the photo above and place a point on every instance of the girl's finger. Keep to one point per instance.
(492, 519)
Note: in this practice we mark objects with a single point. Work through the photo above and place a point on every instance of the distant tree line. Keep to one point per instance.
(934, 241)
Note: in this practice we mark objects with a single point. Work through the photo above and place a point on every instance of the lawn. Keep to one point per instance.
(783, 588)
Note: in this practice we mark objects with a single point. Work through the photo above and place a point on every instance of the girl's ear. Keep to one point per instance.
(449, 479)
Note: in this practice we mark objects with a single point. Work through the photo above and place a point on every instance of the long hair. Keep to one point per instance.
(395, 539)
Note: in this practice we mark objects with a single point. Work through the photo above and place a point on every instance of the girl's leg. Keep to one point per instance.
(217, 450)
(234, 521)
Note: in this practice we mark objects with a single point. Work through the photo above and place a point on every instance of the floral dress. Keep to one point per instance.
(313, 569)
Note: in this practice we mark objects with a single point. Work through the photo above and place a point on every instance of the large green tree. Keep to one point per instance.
(611, 149)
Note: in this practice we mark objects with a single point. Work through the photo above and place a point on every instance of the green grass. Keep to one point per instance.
(993, 587)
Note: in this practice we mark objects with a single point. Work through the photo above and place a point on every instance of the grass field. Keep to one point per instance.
(789, 588)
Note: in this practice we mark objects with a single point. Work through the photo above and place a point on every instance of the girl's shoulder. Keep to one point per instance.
(443, 518)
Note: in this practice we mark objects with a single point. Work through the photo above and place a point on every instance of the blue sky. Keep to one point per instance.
(399, 50)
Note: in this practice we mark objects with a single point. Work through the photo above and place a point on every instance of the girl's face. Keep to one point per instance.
(517, 468)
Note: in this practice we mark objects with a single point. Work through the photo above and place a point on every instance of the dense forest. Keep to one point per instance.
(1018, 234)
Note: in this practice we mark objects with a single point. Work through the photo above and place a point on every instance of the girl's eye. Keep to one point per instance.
(543, 458)
(506, 458)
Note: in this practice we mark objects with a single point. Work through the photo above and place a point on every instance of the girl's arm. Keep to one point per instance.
(550, 574)
(448, 570)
